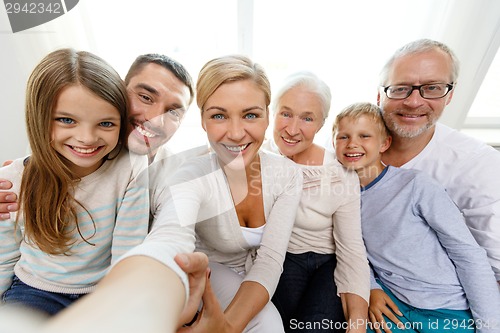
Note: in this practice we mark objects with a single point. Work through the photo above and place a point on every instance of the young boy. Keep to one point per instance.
(426, 267)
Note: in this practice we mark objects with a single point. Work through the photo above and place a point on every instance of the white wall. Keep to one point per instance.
(193, 31)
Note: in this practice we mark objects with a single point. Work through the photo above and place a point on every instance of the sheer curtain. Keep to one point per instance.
(344, 42)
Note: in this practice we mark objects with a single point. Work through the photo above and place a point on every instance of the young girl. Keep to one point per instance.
(80, 206)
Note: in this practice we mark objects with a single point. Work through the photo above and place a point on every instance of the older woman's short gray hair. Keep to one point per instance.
(309, 81)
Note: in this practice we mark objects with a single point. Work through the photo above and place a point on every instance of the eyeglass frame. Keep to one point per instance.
(449, 86)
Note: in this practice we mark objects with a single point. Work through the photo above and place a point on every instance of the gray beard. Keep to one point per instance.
(409, 134)
(402, 132)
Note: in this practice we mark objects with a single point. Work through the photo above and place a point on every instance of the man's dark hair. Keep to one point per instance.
(168, 63)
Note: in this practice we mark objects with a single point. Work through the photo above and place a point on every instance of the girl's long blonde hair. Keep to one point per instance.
(47, 186)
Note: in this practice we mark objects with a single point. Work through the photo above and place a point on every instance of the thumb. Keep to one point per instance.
(209, 299)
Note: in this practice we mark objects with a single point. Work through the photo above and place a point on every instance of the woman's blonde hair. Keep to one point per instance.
(229, 69)
(47, 186)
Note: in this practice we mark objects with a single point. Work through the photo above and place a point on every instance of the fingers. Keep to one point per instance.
(5, 184)
(389, 309)
(382, 307)
(378, 323)
(392, 306)
(7, 202)
(195, 265)
(211, 318)
(209, 299)
(192, 263)
(208, 314)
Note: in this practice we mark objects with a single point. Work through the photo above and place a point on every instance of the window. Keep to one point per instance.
(483, 119)
(344, 42)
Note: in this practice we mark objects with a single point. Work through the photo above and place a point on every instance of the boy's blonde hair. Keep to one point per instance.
(356, 110)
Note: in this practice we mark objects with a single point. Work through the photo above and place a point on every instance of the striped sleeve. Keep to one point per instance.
(132, 220)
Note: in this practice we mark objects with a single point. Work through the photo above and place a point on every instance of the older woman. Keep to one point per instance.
(326, 236)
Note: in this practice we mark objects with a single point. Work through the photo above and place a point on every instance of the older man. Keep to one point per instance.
(417, 83)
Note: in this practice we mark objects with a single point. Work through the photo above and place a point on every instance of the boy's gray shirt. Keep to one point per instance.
(420, 248)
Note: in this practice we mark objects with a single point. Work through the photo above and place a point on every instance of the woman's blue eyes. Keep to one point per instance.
(246, 116)
(250, 116)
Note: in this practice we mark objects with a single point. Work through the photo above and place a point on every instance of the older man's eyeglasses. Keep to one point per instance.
(427, 91)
